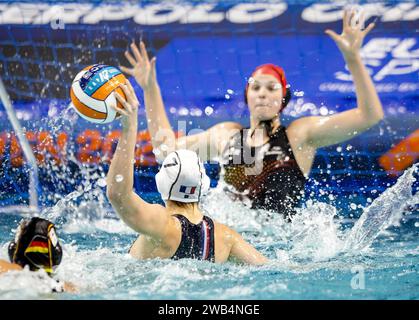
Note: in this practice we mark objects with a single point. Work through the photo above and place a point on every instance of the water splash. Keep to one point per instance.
(384, 211)
(26, 284)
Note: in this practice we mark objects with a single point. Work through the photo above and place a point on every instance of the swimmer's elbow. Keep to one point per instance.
(114, 196)
(380, 116)
(376, 117)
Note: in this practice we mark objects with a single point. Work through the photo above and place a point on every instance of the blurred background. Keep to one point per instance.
(205, 52)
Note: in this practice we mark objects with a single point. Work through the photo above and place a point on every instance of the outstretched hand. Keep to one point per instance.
(351, 38)
(143, 70)
(129, 115)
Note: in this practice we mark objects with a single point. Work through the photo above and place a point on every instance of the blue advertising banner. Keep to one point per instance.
(205, 53)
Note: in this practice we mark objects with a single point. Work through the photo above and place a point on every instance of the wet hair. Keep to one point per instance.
(36, 245)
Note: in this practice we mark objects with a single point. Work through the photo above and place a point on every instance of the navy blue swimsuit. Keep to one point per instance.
(197, 240)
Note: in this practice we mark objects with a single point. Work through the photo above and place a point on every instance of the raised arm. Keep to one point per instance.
(150, 219)
(208, 144)
(329, 130)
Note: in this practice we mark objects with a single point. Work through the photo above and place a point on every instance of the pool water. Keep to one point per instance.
(321, 254)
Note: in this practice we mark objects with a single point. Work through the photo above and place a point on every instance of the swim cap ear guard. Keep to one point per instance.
(182, 177)
(36, 244)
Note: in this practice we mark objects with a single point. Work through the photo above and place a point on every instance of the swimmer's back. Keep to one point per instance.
(227, 243)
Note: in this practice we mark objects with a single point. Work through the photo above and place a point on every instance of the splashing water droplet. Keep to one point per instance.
(324, 111)
(209, 110)
(101, 182)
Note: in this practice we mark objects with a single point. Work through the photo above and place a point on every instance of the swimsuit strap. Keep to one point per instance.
(197, 240)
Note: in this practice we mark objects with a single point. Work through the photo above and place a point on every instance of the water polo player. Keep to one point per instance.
(36, 246)
(267, 163)
(178, 230)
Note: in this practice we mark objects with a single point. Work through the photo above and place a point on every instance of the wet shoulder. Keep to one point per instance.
(224, 234)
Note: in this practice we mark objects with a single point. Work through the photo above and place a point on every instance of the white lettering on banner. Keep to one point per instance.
(165, 13)
(66, 13)
(397, 67)
(161, 14)
(408, 86)
(3, 7)
(255, 12)
(402, 50)
(321, 13)
(331, 12)
(325, 12)
(412, 15)
(110, 13)
(402, 11)
(378, 48)
(404, 60)
(21, 13)
(201, 14)
(380, 87)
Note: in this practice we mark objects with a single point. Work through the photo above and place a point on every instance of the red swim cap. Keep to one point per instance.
(272, 70)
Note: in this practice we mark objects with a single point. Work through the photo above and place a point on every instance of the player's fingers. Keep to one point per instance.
(368, 29)
(126, 70)
(131, 96)
(134, 95)
(119, 110)
(144, 51)
(136, 52)
(153, 65)
(122, 101)
(333, 35)
(130, 58)
(345, 20)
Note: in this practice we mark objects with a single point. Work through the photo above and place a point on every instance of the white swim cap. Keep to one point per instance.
(182, 177)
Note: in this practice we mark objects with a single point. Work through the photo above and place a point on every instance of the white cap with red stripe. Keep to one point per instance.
(182, 177)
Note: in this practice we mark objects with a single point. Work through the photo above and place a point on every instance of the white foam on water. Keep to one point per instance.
(26, 284)
(312, 241)
(313, 232)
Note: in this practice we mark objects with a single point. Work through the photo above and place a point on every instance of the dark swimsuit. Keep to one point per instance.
(197, 240)
(279, 183)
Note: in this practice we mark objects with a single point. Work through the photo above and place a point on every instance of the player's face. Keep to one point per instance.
(264, 96)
